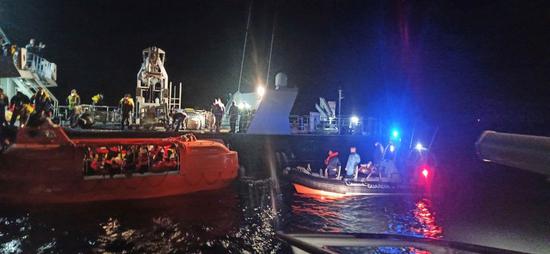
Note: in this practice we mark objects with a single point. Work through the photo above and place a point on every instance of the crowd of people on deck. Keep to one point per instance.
(12, 50)
(40, 106)
(27, 110)
(122, 159)
(237, 116)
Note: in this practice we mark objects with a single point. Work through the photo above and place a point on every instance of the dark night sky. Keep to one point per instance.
(434, 59)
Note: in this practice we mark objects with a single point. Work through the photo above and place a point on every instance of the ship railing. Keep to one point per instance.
(101, 114)
(306, 124)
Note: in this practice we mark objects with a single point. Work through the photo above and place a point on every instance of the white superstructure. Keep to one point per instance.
(25, 70)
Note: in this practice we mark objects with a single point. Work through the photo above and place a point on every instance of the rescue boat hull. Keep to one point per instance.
(57, 170)
(311, 184)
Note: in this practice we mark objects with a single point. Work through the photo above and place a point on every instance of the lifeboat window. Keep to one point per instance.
(207, 149)
(130, 160)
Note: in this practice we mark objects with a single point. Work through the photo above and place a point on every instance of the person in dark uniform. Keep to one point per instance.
(178, 118)
(332, 164)
(126, 106)
(4, 102)
(233, 115)
(42, 102)
(18, 102)
(217, 111)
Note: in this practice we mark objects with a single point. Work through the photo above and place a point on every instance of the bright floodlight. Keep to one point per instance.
(354, 120)
(395, 134)
(260, 90)
(392, 148)
(419, 146)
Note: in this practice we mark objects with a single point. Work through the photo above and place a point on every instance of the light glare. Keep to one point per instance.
(395, 134)
(354, 120)
(425, 173)
(260, 90)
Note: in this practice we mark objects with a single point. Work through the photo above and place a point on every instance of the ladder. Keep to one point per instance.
(175, 91)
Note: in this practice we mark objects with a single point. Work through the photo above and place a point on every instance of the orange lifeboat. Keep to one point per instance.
(46, 166)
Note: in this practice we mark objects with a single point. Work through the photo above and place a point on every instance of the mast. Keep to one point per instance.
(244, 45)
(270, 50)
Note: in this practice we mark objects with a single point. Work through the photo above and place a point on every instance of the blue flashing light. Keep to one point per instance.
(395, 134)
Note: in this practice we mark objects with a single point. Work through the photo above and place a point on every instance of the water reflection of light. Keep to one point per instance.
(13, 246)
(390, 215)
(428, 226)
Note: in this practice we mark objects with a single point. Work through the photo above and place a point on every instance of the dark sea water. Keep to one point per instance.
(473, 202)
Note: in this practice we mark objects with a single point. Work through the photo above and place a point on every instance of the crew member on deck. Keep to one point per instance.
(178, 118)
(73, 100)
(217, 110)
(42, 102)
(333, 165)
(378, 153)
(4, 102)
(233, 115)
(96, 99)
(353, 161)
(126, 106)
(17, 104)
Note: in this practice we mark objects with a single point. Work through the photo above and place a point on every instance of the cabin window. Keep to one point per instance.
(206, 150)
(130, 160)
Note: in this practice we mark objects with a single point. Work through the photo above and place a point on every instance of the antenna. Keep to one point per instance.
(244, 45)
(271, 49)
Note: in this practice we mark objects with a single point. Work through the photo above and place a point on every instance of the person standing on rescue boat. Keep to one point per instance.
(333, 165)
(126, 106)
(353, 161)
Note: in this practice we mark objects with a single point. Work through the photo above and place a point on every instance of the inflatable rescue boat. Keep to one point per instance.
(46, 166)
(310, 183)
